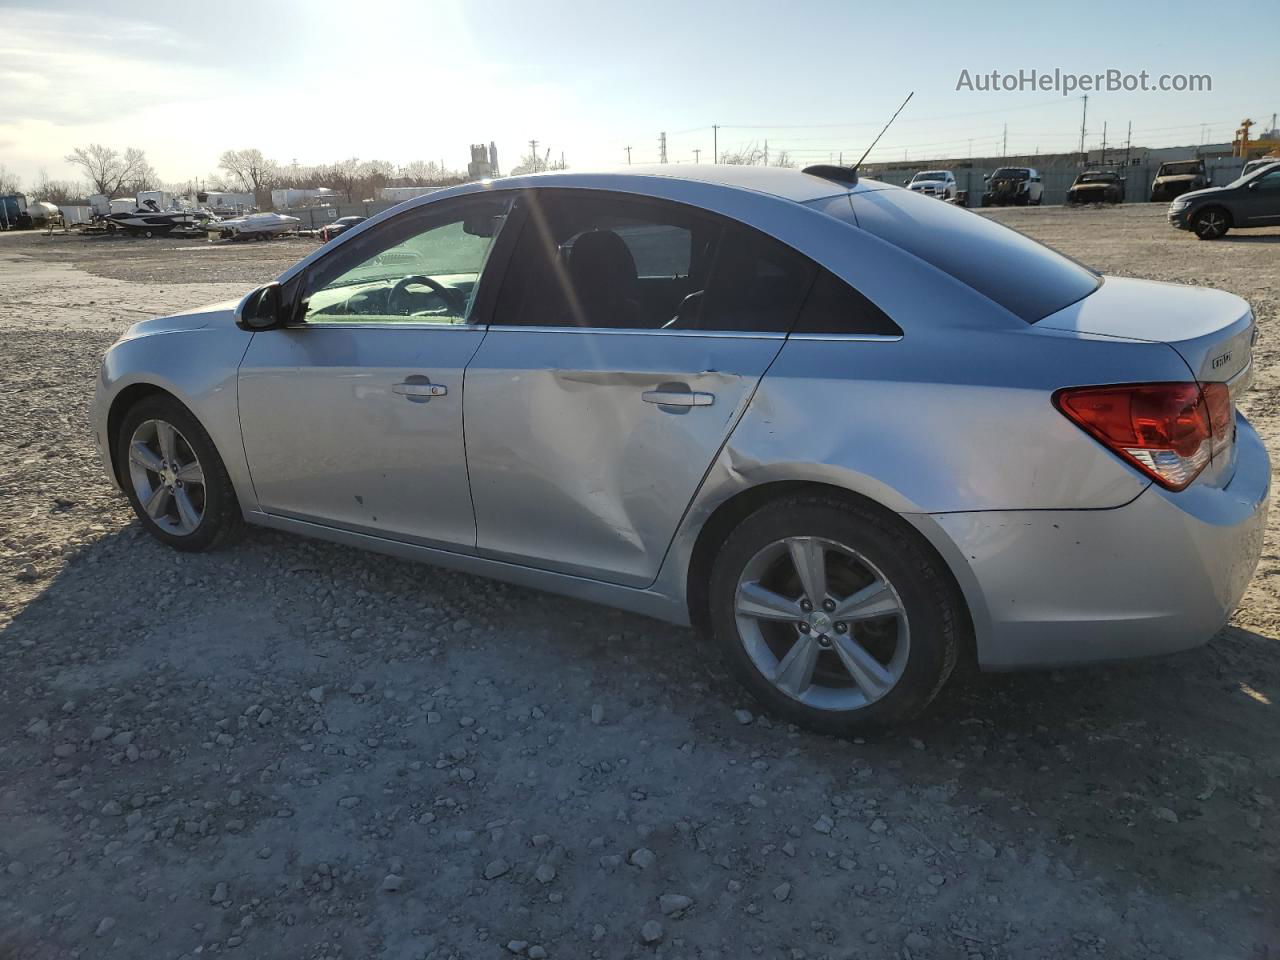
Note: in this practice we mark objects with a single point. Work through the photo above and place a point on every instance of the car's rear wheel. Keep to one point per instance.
(1210, 224)
(834, 615)
(174, 478)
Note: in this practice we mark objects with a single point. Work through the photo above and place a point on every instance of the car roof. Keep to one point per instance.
(787, 183)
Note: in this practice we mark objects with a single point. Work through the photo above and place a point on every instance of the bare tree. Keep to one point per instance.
(426, 173)
(107, 170)
(59, 192)
(783, 159)
(529, 163)
(375, 174)
(249, 170)
(9, 181)
(344, 175)
(747, 156)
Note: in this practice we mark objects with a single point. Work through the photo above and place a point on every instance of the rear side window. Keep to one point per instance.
(757, 284)
(1025, 277)
(611, 261)
(834, 307)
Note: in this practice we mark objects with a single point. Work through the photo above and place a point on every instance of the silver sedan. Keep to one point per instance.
(849, 433)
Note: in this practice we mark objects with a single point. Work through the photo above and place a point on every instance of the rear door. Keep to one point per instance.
(627, 339)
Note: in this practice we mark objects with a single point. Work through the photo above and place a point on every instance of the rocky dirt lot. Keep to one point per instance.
(292, 749)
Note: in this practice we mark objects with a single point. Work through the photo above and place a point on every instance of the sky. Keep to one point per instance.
(320, 81)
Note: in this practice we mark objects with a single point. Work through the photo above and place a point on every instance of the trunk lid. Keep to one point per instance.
(1212, 331)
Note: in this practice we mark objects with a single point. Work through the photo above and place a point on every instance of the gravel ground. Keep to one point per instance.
(292, 749)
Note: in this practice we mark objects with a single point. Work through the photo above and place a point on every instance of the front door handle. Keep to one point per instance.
(678, 398)
(419, 389)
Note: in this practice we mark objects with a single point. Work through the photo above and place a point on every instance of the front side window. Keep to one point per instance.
(1269, 181)
(609, 261)
(421, 267)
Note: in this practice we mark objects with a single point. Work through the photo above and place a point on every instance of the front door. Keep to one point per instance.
(627, 339)
(352, 418)
(1260, 201)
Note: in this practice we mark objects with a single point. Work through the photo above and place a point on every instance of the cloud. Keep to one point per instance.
(82, 68)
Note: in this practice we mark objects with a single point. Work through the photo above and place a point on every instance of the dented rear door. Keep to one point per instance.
(576, 462)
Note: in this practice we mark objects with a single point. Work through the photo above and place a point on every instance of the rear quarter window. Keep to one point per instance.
(1022, 275)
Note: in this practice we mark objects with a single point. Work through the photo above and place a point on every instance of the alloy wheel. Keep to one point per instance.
(167, 477)
(1211, 224)
(821, 623)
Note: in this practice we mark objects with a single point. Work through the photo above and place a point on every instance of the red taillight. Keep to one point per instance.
(1170, 431)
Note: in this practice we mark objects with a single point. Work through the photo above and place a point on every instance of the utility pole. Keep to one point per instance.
(766, 153)
(628, 149)
(1004, 146)
(697, 155)
(662, 147)
(1128, 142)
(1104, 143)
(715, 143)
(533, 154)
(1084, 113)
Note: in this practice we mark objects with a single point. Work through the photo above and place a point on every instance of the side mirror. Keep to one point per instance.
(986, 176)
(263, 309)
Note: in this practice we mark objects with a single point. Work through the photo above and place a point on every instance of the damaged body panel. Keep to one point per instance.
(843, 428)
(576, 464)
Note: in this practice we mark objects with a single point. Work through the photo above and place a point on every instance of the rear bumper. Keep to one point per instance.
(1160, 574)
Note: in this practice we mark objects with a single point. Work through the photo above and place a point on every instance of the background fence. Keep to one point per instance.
(1057, 180)
(313, 217)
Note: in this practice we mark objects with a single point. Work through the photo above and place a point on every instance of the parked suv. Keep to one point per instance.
(934, 183)
(1251, 201)
(1097, 186)
(1174, 179)
(1258, 164)
(1013, 186)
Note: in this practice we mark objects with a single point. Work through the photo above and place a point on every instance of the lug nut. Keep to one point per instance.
(828, 605)
(824, 641)
(806, 606)
(842, 627)
(804, 627)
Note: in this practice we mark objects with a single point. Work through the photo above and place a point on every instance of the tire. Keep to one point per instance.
(212, 497)
(1211, 223)
(865, 552)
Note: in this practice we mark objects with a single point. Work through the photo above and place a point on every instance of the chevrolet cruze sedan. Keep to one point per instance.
(850, 433)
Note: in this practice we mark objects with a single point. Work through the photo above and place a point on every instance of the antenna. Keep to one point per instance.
(886, 127)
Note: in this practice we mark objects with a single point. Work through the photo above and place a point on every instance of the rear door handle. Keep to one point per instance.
(678, 398)
(419, 389)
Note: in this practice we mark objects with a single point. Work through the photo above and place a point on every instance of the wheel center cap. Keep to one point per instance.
(820, 622)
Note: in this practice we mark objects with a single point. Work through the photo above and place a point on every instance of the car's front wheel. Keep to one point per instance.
(174, 478)
(836, 616)
(1210, 224)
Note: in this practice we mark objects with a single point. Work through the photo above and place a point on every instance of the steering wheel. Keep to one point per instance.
(453, 299)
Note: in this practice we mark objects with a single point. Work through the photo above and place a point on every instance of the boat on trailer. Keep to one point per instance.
(148, 220)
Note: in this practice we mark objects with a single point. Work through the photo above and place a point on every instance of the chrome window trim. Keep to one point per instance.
(381, 325)
(615, 331)
(852, 337)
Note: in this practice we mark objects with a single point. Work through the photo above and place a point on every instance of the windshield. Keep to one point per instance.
(1250, 172)
(931, 175)
(1011, 173)
(1179, 169)
(1095, 178)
